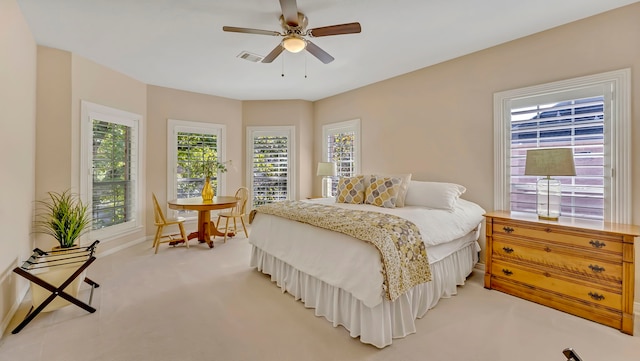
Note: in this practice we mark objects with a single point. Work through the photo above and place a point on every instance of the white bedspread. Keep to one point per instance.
(331, 256)
(436, 225)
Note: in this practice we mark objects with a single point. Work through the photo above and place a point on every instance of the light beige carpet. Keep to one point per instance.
(207, 304)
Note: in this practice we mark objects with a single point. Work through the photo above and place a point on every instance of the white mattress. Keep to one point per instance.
(345, 262)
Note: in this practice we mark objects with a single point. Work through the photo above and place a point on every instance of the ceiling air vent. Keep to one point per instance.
(255, 58)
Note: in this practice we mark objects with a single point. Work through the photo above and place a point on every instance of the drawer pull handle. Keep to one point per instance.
(506, 272)
(596, 296)
(507, 229)
(596, 268)
(507, 249)
(597, 244)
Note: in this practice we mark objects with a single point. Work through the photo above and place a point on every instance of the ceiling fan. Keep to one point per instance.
(294, 31)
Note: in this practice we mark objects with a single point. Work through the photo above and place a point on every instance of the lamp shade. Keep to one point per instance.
(550, 162)
(294, 43)
(327, 169)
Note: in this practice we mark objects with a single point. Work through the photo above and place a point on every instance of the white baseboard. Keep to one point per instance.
(636, 319)
(4, 323)
(12, 311)
(124, 246)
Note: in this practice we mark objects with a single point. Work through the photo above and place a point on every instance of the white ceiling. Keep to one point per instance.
(180, 43)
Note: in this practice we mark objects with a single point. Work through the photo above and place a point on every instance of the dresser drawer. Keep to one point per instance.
(585, 265)
(600, 242)
(549, 281)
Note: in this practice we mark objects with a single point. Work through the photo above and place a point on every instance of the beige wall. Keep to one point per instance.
(17, 151)
(297, 113)
(164, 104)
(437, 122)
(64, 79)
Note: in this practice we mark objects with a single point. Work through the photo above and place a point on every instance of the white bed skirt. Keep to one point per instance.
(380, 324)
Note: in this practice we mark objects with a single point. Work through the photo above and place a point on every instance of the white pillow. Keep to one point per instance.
(436, 195)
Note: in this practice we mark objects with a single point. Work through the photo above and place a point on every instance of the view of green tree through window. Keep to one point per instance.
(112, 180)
(194, 152)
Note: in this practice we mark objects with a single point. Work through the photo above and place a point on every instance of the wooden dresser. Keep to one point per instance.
(582, 267)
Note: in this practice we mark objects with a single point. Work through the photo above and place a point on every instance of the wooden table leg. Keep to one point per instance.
(204, 227)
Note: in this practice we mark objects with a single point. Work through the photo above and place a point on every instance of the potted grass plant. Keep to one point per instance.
(64, 217)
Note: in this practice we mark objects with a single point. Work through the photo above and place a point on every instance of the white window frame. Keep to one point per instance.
(342, 127)
(174, 126)
(289, 132)
(88, 112)
(617, 137)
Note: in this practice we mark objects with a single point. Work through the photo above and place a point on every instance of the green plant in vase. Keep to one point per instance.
(211, 168)
(64, 217)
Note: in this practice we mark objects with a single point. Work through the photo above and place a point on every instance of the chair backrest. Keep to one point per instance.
(157, 211)
(242, 194)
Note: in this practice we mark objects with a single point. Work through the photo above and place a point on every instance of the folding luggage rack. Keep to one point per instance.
(42, 267)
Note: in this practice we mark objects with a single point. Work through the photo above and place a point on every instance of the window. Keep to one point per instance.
(191, 146)
(341, 144)
(110, 156)
(589, 115)
(271, 158)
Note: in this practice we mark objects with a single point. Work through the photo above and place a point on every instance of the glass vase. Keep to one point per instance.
(549, 198)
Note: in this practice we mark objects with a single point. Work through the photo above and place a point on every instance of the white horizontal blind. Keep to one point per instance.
(270, 167)
(341, 150)
(574, 123)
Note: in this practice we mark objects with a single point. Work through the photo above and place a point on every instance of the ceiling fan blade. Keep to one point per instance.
(350, 28)
(273, 54)
(322, 55)
(289, 12)
(234, 29)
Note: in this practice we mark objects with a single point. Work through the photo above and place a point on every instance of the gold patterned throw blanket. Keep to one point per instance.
(403, 254)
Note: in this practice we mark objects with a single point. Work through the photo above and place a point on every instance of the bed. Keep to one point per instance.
(342, 278)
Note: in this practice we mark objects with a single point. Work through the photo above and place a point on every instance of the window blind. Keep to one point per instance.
(270, 168)
(573, 123)
(341, 150)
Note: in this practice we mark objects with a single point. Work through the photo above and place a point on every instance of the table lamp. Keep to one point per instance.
(549, 162)
(326, 170)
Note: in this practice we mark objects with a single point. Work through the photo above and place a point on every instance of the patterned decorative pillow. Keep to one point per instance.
(350, 190)
(382, 191)
(402, 191)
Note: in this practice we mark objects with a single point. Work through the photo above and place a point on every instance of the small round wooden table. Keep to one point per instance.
(206, 228)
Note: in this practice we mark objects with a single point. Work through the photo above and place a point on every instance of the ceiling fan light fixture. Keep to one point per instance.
(294, 43)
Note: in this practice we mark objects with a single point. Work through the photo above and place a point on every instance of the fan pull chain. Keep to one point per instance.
(305, 66)
(282, 58)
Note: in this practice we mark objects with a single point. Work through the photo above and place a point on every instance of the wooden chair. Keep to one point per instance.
(242, 194)
(161, 222)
